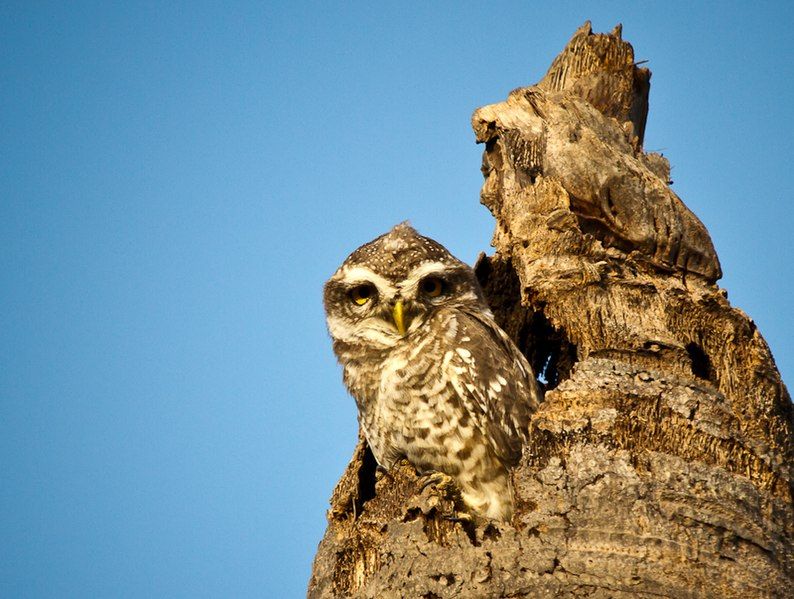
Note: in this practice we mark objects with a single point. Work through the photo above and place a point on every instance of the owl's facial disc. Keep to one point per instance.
(380, 307)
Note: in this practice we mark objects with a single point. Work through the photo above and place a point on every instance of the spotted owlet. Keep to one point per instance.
(435, 379)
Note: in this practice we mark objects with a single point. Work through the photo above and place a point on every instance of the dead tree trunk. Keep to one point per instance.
(660, 461)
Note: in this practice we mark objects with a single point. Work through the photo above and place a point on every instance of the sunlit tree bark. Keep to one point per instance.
(659, 463)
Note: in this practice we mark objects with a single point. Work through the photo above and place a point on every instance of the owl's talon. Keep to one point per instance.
(381, 473)
(444, 487)
(442, 482)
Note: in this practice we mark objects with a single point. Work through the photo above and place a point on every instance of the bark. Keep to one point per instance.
(659, 463)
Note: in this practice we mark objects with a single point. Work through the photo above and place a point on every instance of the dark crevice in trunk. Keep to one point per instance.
(548, 349)
(701, 364)
(366, 479)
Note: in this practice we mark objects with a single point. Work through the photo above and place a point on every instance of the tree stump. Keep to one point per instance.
(659, 463)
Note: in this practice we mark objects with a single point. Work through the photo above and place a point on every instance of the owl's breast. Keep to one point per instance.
(412, 407)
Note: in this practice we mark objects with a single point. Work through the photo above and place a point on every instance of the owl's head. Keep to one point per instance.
(387, 289)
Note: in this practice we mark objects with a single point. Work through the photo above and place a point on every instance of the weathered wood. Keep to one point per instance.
(659, 463)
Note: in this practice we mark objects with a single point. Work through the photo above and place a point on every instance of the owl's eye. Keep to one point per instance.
(432, 286)
(362, 294)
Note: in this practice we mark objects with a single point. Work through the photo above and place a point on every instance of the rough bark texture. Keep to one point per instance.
(660, 461)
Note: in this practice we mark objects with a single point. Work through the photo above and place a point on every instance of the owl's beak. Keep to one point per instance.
(399, 318)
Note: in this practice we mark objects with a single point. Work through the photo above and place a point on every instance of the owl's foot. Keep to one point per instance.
(381, 473)
(442, 488)
(443, 493)
(443, 483)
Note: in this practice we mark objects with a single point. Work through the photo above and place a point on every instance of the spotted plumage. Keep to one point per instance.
(435, 379)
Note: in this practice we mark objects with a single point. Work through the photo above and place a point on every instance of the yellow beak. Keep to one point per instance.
(397, 314)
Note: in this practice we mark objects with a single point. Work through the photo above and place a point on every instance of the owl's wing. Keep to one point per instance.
(494, 382)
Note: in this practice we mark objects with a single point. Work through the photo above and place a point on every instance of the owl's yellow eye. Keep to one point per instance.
(432, 287)
(362, 294)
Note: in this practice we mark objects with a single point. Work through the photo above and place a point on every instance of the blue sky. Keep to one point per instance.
(179, 180)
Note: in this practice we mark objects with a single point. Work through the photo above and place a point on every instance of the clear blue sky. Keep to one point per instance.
(178, 181)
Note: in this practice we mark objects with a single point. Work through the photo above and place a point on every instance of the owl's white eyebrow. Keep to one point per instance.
(421, 271)
(361, 274)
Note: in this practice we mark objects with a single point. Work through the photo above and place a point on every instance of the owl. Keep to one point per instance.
(435, 380)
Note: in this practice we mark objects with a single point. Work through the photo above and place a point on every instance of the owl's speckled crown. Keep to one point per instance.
(399, 250)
